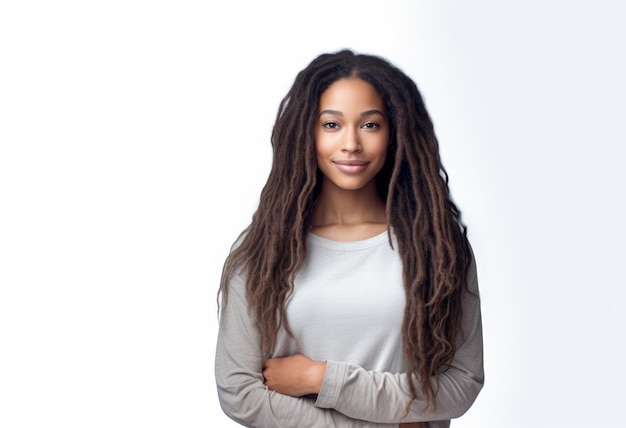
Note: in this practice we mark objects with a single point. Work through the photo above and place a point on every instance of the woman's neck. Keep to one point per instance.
(349, 215)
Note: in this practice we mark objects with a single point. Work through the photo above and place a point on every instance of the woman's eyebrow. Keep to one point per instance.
(371, 112)
(365, 113)
(333, 112)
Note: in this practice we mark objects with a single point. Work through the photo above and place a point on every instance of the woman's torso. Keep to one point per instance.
(348, 304)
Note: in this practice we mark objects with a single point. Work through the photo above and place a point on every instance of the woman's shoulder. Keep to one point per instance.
(240, 238)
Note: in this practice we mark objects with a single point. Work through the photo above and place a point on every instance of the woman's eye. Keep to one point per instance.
(331, 125)
(370, 125)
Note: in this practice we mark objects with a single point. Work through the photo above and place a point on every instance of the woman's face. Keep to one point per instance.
(351, 134)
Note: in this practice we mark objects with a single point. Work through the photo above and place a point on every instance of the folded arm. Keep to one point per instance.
(383, 397)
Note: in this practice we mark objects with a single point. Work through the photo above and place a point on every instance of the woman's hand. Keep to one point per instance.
(296, 375)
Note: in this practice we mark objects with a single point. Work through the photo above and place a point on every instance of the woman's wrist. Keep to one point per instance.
(316, 374)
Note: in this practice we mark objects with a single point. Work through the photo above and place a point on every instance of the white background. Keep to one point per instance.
(135, 141)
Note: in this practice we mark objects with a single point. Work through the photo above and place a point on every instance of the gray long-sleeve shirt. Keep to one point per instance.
(346, 309)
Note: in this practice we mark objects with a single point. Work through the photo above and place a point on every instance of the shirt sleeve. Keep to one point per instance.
(238, 372)
(383, 397)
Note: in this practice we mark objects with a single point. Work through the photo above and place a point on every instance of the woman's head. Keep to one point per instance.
(351, 136)
(293, 135)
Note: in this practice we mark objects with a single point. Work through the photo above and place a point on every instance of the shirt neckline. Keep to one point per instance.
(318, 241)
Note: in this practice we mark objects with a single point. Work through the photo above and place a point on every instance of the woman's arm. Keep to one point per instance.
(238, 373)
(381, 397)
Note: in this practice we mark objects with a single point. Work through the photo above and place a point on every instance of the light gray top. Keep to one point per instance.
(346, 309)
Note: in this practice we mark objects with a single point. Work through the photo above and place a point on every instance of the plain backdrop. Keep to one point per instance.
(134, 142)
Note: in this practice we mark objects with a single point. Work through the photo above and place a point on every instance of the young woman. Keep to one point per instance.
(351, 300)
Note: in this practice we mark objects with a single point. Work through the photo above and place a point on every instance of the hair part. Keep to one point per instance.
(431, 237)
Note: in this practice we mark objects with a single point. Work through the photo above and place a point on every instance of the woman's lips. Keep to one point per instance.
(351, 166)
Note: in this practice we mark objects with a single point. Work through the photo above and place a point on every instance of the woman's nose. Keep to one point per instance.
(351, 142)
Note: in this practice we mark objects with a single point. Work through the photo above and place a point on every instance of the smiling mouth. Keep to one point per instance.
(351, 166)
